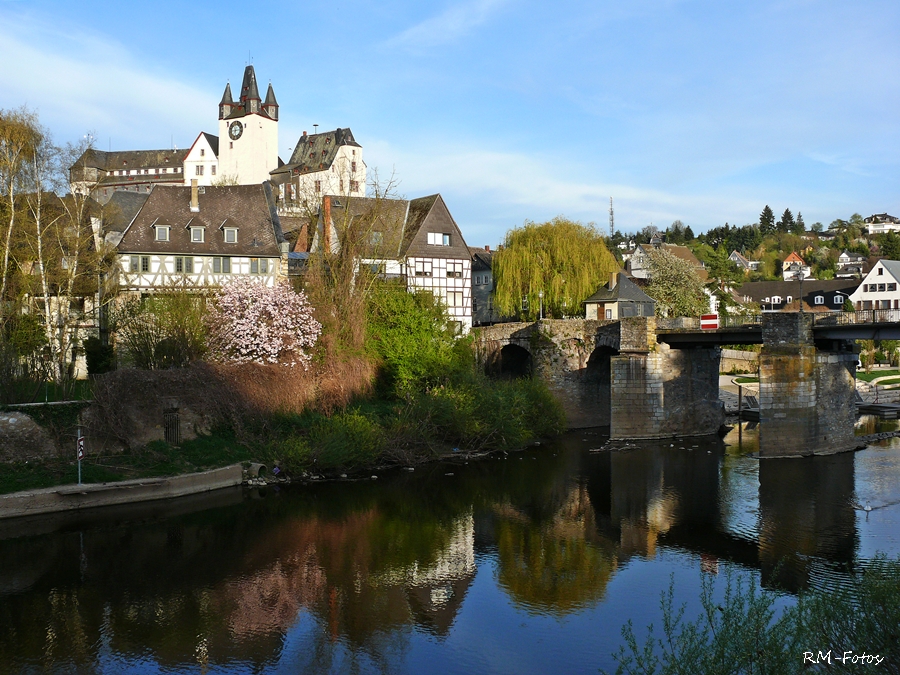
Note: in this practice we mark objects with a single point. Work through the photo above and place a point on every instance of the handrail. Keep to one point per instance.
(838, 318)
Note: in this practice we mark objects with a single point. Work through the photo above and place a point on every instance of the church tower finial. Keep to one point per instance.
(249, 91)
(270, 107)
(227, 103)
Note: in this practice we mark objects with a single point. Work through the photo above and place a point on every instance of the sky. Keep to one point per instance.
(514, 110)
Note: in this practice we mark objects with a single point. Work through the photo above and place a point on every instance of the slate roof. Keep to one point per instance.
(130, 159)
(403, 226)
(882, 218)
(758, 290)
(247, 207)
(625, 290)
(317, 152)
(121, 209)
(213, 142)
(482, 260)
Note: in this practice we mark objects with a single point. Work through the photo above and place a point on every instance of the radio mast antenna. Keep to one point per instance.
(612, 218)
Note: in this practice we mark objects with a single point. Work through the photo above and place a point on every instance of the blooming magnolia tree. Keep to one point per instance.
(253, 323)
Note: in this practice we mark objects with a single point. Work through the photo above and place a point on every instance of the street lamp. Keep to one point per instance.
(800, 278)
(541, 297)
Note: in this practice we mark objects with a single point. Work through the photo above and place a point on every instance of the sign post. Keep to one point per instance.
(79, 451)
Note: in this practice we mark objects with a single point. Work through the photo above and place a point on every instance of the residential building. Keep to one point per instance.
(618, 299)
(638, 265)
(328, 163)
(879, 288)
(879, 223)
(483, 310)
(415, 240)
(743, 263)
(846, 259)
(817, 296)
(793, 267)
(201, 236)
(202, 161)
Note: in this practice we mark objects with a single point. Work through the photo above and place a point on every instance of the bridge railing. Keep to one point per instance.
(693, 322)
(859, 316)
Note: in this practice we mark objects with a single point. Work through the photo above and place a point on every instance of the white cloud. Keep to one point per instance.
(491, 191)
(447, 27)
(81, 82)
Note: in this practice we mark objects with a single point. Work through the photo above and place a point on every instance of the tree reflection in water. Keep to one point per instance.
(351, 576)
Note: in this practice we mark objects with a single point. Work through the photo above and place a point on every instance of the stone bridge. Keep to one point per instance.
(645, 384)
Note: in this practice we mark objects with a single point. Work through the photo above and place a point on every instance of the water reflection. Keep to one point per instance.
(353, 575)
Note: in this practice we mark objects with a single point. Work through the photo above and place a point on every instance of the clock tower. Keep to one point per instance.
(248, 133)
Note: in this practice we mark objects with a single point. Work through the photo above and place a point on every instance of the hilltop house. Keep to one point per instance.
(743, 263)
(794, 266)
(878, 289)
(639, 263)
(414, 240)
(619, 298)
(879, 223)
(201, 236)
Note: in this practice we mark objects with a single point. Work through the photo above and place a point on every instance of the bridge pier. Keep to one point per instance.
(661, 392)
(806, 394)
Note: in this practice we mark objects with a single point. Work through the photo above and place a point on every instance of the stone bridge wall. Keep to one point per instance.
(639, 388)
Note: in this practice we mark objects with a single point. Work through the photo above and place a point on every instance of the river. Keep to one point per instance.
(525, 562)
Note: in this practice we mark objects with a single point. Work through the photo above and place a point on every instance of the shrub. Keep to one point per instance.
(101, 358)
(347, 439)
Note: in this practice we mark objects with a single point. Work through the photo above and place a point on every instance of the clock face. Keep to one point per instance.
(235, 130)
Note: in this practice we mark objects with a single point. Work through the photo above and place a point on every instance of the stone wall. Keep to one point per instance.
(806, 396)
(665, 393)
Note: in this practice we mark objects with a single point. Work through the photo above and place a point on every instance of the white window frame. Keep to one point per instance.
(230, 231)
(198, 235)
(455, 299)
(819, 300)
(422, 268)
(438, 239)
(454, 270)
(162, 233)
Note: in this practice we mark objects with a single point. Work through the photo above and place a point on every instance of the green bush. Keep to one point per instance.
(744, 633)
(346, 440)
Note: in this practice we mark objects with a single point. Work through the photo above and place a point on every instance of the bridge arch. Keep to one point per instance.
(510, 361)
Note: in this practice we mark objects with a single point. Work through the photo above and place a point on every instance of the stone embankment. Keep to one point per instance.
(91, 495)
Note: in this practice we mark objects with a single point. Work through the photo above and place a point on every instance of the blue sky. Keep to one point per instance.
(514, 110)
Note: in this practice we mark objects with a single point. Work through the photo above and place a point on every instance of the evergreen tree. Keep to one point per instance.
(799, 226)
(688, 234)
(786, 224)
(766, 221)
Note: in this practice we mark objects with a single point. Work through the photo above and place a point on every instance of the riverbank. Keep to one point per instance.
(93, 495)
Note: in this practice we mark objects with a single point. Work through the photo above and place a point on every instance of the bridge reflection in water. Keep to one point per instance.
(338, 576)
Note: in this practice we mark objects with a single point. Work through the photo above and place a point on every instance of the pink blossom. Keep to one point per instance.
(250, 322)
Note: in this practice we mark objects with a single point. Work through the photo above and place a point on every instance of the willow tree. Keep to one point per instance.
(563, 260)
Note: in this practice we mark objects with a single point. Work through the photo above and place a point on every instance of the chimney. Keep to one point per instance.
(613, 279)
(487, 248)
(326, 225)
(195, 197)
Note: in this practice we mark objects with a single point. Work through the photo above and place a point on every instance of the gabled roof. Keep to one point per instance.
(625, 290)
(482, 259)
(317, 152)
(402, 226)
(740, 259)
(794, 258)
(758, 290)
(246, 206)
(892, 266)
(121, 209)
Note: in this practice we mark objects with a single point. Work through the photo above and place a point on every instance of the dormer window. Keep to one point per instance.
(162, 233)
(230, 235)
(197, 235)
